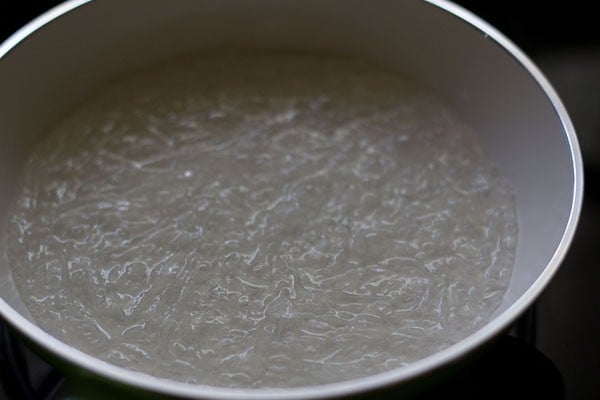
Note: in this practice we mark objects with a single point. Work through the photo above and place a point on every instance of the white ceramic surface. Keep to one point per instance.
(61, 57)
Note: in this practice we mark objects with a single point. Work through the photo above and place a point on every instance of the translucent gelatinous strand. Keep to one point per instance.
(261, 220)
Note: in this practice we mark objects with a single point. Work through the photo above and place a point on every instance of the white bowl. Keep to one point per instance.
(58, 59)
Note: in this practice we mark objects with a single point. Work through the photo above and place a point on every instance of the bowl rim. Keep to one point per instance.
(453, 353)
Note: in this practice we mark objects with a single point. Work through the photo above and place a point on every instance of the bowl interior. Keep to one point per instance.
(64, 61)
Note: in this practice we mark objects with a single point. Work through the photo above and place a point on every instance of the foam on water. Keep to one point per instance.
(261, 220)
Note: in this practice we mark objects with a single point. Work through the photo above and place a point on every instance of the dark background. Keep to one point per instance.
(563, 38)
